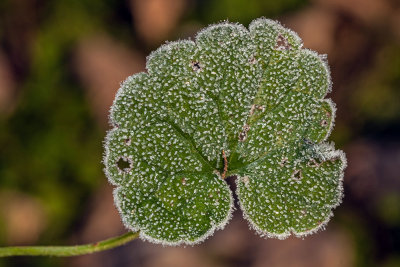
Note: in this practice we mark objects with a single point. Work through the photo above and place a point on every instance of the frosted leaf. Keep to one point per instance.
(236, 102)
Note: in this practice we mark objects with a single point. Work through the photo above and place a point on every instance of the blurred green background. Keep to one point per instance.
(61, 63)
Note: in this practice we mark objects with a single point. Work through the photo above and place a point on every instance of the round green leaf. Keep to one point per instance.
(236, 102)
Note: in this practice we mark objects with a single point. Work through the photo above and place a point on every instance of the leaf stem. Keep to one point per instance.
(66, 251)
(225, 164)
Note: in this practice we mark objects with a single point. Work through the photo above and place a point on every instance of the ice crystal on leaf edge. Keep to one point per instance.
(246, 102)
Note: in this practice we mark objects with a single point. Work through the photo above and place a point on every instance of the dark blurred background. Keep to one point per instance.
(61, 63)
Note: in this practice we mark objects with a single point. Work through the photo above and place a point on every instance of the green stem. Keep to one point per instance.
(65, 251)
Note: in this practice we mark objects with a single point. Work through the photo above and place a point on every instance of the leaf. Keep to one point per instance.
(237, 102)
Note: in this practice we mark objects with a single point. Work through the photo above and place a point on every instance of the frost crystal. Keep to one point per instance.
(237, 102)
